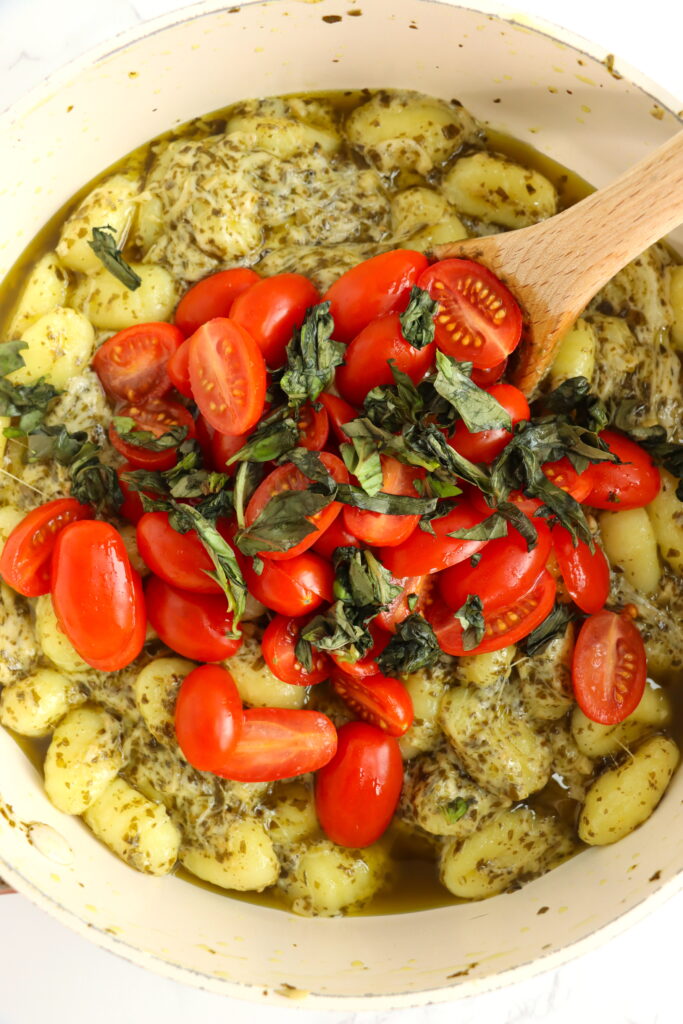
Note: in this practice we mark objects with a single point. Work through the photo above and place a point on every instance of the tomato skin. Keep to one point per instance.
(97, 595)
(488, 321)
(485, 445)
(423, 553)
(377, 286)
(228, 376)
(366, 361)
(178, 369)
(178, 558)
(26, 560)
(208, 716)
(294, 587)
(223, 447)
(399, 609)
(339, 412)
(314, 427)
(380, 528)
(609, 667)
(529, 506)
(211, 297)
(484, 378)
(367, 665)
(192, 625)
(620, 487)
(279, 744)
(288, 477)
(157, 416)
(585, 573)
(271, 309)
(335, 536)
(357, 792)
(380, 700)
(279, 641)
(133, 364)
(563, 475)
(529, 612)
(505, 572)
(131, 509)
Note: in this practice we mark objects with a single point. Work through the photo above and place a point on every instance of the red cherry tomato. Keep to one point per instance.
(609, 668)
(132, 365)
(380, 285)
(478, 317)
(564, 476)
(366, 361)
(529, 506)
(195, 626)
(484, 378)
(26, 560)
(367, 665)
(335, 536)
(97, 595)
(314, 427)
(208, 717)
(178, 369)
(633, 483)
(379, 528)
(131, 509)
(380, 700)
(357, 792)
(157, 416)
(294, 587)
(585, 573)
(339, 412)
(228, 376)
(279, 744)
(279, 650)
(424, 553)
(289, 478)
(223, 447)
(484, 445)
(270, 311)
(505, 624)
(420, 587)
(213, 296)
(178, 558)
(506, 571)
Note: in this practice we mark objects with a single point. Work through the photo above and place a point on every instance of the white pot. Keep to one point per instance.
(554, 92)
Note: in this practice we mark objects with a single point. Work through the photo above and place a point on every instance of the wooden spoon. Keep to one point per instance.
(554, 268)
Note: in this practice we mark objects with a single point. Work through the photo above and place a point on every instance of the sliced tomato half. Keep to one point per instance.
(380, 700)
(585, 572)
(26, 560)
(279, 650)
(228, 376)
(278, 744)
(609, 667)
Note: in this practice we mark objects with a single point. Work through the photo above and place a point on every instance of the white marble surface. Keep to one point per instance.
(46, 970)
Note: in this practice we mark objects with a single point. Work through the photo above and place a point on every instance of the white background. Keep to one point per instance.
(47, 973)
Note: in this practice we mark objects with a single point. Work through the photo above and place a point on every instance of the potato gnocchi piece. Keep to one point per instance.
(546, 681)
(110, 306)
(496, 190)
(245, 859)
(10, 515)
(156, 689)
(18, 648)
(257, 685)
(574, 767)
(576, 355)
(285, 127)
(135, 829)
(54, 644)
(128, 534)
(111, 203)
(83, 405)
(46, 287)
(408, 131)
(83, 757)
(291, 808)
(666, 516)
(595, 740)
(422, 218)
(675, 275)
(33, 706)
(149, 221)
(660, 622)
(60, 345)
(623, 798)
(328, 880)
(515, 845)
(426, 688)
(485, 669)
(630, 543)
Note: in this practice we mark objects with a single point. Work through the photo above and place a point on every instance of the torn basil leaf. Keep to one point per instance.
(312, 357)
(340, 629)
(128, 432)
(92, 482)
(27, 401)
(491, 528)
(667, 454)
(477, 408)
(362, 460)
(574, 399)
(247, 479)
(412, 647)
(10, 356)
(103, 244)
(552, 627)
(417, 322)
(391, 407)
(283, 522)
(471, 618)
(389, 504)
(275, 436)
(362, 581)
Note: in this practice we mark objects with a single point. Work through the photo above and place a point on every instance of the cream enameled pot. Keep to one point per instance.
(551, 90)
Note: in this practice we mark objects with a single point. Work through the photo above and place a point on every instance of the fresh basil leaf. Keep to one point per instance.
(477, 408)
(312, 357)
(340, 629)
(552, 627)
(573, 398)
(362, 581)
(247, 479)
(127, 430)
(103, 244)
(362, 460)
(471, 618)
(27, 401)
(391, 407)
(283, 522)
(412, 647)
(490, 528)
(275, 436)
(311, 465)
(10, 356)
(520, 521)
(417, 322)
(390, 504)
(456, 809)
(92, 482)
(442, 488)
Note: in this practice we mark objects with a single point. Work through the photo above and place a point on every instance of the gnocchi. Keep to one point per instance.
(112, 203)
(83, 757)
(138, 831)
(498, 191)
(245, 860)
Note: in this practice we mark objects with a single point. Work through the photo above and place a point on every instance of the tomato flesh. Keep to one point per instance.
(195, 626)
(485, 445)
(339, 412)
(424, 553)
(271, 309)
(208, 717)
(211, 297)
(133, 364)
(279, 744)
(564, 476)
(26, 560)
(366, 361)
(228, 376)
(585, 573)
(380, 700)
(609, 667)
(179, 369)
(157, 416)
(279, 643)
(633, 483)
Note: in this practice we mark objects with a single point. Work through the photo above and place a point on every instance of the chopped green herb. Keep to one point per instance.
(417, 322)
(92, 482)
(362, 460)
(275, 436)
(127, 430)
(103, 244)
(312, 357)
(552, 627)
(412, 647)
(491, 528)
(471, 618)
(456, 809)
(477, 408)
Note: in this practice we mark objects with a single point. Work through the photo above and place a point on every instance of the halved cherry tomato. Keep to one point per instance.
(379, 285)
(367, 665)
(335, 536)
(633, 483)
(132, 365)
(211, 297)
(529, 506)
(424, 552)
(484, 445)
(506, 571)
(208, 717)
(420, 588)
(279, 642)
(478, 317)
(339, 412)
(380, 700)
(157, 416)
(193, 625)
(356, 793)
(294, 587)
(585, 572)
(505, 624)
(178, 369)
(289, 478)
(609, 667)
(380, 528)
(484, 378)
(564, 476)
(97, 595)
(26, 560)
(228, 376)
(223, 447)
(366, 361)
(270, 311)
(313, 426)
(131, 509)
(279, 744)
(178, 558)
